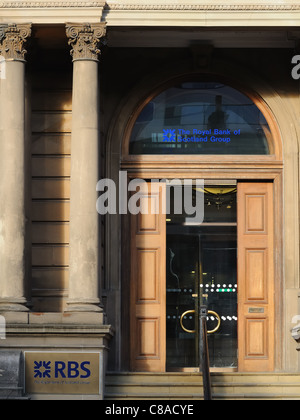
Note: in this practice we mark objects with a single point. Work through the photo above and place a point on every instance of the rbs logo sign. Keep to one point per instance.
(73, 370)
(63, 373)
(62, 370)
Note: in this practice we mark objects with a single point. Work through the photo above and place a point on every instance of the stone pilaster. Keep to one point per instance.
(13, 169)
(84, 282)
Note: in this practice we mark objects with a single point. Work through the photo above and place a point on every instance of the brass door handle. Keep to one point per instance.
(181, 321)
(193, 331)
(219, 322)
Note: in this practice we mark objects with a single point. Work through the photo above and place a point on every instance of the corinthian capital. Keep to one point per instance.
(12, 40)
(85, 40)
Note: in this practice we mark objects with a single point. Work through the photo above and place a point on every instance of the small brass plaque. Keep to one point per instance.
(62, 373)
(256, 310)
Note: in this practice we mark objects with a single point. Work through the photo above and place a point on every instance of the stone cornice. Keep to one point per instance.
(203, 7)
(151, 13)
(49, 4)
(202, 13)
(51, 12)
(108, 5)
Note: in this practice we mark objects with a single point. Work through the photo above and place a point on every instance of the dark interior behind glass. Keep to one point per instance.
(202, 264)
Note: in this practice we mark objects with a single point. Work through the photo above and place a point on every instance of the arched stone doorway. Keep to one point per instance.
(269, 169)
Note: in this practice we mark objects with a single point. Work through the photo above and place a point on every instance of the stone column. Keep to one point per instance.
(84, 281)
(13, 168)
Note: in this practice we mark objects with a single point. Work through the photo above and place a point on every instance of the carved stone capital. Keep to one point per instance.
(85, 40)
(12, 40)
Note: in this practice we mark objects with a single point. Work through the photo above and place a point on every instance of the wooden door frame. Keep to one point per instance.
(247, 168)
(249, 175)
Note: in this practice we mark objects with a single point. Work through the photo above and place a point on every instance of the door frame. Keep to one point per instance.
(285, 179)
(239, 176)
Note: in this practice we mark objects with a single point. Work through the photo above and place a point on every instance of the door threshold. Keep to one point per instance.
(197, 370)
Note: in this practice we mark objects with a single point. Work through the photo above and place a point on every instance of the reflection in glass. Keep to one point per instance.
(201, 118)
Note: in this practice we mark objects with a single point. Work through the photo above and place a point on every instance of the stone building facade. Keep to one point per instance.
(76, 77)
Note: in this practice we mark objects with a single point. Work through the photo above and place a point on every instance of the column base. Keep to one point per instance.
(13, 305)
(87, 305)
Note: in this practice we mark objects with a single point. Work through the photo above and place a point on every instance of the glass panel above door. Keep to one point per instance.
(206, 118)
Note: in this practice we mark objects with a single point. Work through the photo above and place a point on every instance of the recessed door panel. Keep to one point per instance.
(148, 275)
(256, 338)
(256, 214)
(256, 274)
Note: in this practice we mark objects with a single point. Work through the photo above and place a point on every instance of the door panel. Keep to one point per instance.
(255, 277)
(148, 283)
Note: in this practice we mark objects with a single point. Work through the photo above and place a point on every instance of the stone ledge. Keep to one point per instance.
(56, 330)
(49, 337)
(36, 318)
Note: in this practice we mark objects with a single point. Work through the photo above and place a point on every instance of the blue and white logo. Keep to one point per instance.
(59, 369)
(42, 369)
(169, 135)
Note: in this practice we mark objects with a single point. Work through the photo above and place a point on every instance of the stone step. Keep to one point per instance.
(189, 386)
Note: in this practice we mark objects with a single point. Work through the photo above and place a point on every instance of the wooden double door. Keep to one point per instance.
(227, 262)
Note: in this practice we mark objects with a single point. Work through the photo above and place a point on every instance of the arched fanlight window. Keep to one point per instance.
(204, 118)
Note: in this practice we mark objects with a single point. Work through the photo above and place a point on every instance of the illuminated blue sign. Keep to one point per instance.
(195, 135)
